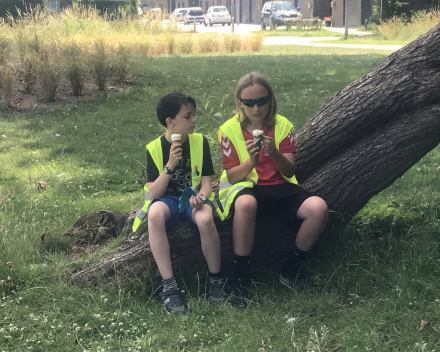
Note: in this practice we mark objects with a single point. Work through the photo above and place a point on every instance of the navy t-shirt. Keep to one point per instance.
(181, 178)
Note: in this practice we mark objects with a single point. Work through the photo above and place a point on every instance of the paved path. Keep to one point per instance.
(311, 41)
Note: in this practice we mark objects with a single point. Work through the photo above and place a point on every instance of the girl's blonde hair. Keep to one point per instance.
(249, 80)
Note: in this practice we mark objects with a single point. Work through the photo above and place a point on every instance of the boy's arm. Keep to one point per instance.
(158, 187)
(206, 186)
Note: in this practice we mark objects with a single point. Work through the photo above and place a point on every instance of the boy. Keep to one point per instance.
(172, 167)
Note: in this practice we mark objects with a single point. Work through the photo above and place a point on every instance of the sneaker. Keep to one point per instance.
(295, 278)
(216, 293)
(173, 301)
(240, 293)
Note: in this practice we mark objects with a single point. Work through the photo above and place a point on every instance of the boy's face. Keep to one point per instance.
(184, 122)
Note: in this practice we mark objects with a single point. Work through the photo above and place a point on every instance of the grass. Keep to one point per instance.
(378, 287)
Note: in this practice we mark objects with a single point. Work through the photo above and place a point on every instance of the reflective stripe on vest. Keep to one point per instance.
(232, 130)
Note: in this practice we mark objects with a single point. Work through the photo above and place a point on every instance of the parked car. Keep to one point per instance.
(217, 14)
(194, 14)
(178, 14)
(277, 13)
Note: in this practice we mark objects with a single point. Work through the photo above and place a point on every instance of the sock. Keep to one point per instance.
(242, 266)
(215, 278)
(295, 261)
(170, 284)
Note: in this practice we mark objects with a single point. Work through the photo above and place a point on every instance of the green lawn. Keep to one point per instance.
(368, 40)
(377, 281)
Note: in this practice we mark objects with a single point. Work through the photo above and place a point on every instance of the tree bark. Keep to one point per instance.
(357, 144)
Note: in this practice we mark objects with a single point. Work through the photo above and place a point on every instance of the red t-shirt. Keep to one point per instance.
(266, 168)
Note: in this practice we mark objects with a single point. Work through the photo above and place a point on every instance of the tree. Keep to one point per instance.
(357, 144)
(11, 6)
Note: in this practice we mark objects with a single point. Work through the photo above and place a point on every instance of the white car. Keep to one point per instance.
(217, 14)
(178, 14)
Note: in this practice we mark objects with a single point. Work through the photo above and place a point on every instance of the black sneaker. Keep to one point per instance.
(240, 293)
(173, 301)
(216, 293)
(295, 277)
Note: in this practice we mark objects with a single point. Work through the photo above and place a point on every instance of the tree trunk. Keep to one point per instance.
(357, 144)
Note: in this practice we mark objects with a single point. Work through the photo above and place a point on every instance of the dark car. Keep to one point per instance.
(277, 13)
(194, 14)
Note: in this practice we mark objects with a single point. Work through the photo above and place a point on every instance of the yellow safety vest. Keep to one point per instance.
(196, 156)
(232, 130)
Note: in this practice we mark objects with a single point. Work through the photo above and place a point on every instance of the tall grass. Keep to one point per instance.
(75, 67)
(409, 28)
(100, 64)
(7, 82)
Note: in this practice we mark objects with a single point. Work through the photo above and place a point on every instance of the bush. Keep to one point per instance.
(121, 67)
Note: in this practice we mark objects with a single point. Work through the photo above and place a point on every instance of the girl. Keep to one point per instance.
(263, 174)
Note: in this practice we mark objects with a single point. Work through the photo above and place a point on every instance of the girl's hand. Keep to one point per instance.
(253, 151)
(175, 156)
(195, 202)
(268, 145)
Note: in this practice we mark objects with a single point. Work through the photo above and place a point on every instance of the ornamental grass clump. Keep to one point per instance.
(5, 50)
(184, 44)
(100, 64)
(208, 43)
(121, 66)
(75, 67)
(252, 42)
(7, 82)
(50, 71)
(232, 42)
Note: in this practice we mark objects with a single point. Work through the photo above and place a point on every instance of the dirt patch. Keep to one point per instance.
(25, 102)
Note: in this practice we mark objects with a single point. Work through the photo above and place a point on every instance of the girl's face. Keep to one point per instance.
(254, 93)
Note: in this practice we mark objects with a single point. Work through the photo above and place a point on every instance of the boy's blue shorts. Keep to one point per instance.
(173, 203)
(176, 217)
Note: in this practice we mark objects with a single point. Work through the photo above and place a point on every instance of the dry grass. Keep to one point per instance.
(405, 28)
(7, 82)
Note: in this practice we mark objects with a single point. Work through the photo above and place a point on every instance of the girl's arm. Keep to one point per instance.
(239, 173)
(285, 162)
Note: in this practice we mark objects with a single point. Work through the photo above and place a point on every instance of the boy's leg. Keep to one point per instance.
(158, 214)
(211, 249)
(209, 237)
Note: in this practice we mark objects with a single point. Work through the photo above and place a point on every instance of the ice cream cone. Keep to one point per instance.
(176, 139)
(258, 134)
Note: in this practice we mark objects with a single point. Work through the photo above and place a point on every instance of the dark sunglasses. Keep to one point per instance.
(251, 102)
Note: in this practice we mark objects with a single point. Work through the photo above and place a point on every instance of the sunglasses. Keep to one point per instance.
(251, 102)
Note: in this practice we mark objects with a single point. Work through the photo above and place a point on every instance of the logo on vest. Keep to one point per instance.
(196, 171)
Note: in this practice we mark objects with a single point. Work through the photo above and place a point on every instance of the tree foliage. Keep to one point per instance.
(13, 6)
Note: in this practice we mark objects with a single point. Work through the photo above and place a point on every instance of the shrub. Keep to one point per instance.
(252, 42)
(30, 64)
(75, 68)
(100, 64)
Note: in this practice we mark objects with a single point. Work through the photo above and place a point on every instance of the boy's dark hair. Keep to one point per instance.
(169, 106)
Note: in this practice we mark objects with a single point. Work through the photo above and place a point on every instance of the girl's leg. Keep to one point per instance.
(243, 228)
(314, 213)
(209, 237)
(158, 214)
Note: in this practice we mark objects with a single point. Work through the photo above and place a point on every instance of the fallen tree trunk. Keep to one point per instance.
(357, 144)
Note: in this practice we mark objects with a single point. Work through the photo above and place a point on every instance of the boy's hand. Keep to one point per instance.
(253, 151)
(195, 202)
(175, 156)
(268, 145)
